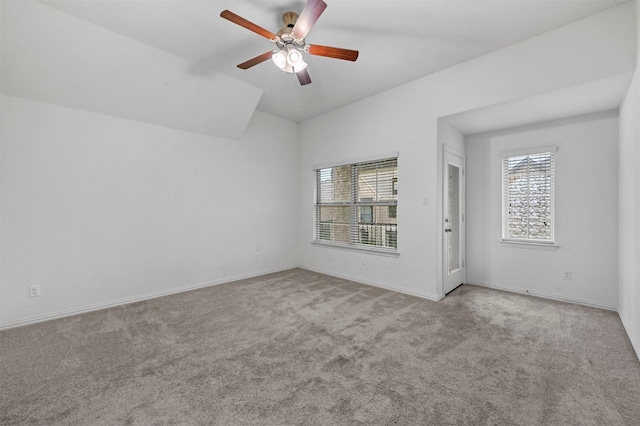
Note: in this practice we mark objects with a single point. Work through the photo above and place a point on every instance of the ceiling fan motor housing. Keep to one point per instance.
(285, 35)
(289, 19)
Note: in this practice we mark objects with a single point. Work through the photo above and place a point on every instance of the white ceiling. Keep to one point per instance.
(399, 41)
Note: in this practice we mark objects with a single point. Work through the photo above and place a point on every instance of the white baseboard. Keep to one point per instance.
(118, 302)
(124, 301)
(420, 294)
(545, 295)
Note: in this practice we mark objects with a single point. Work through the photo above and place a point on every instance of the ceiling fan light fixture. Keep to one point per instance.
(299, 67)
(294, 57)
(279, 58)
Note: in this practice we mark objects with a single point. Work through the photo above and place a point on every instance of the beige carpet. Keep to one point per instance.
(300, 348)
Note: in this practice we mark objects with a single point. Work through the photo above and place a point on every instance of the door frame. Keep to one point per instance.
(441, 214)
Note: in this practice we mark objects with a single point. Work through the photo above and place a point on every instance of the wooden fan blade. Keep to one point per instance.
(255, 61)
(303, 77)
(309, 15)
(230, 16)
(332, 52)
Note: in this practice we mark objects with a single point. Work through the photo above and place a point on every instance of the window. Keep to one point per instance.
(392, 238)
(325, 231)
(527, 193)
(366, 214)
(393, 212)
(355, 205)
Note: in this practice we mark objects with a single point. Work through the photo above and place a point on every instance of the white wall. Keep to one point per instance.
(586, 212)
(450, 137)
(629, 308)
(404, 119)
(99, 210)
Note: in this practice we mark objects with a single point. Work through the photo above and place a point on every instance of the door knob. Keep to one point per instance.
(447, 229)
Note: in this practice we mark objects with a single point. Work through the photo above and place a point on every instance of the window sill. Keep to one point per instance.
(374, 251)
(531, 245)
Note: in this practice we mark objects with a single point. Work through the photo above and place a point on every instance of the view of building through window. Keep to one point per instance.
(528, 197)
(356, 204)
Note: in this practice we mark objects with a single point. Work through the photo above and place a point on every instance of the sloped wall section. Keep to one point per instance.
(50, 56)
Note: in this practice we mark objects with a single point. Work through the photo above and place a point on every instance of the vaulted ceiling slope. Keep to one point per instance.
(52, 57)
(173, 62)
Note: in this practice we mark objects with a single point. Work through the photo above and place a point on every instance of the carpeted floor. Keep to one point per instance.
(300, 348)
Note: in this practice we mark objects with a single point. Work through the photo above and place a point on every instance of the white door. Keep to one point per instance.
(453, 221)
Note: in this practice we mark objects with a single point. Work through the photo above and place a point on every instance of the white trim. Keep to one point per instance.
(378, 284)
(530, 244)
(133, 299)
(348, 162)
(352, 247)
(452, 150)
(546, 296)
(529, 151)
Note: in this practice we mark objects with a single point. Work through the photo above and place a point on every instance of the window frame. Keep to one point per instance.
(355, 205)
(551, 242)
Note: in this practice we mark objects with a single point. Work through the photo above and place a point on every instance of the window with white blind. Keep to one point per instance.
(356, 205)
(527, 194)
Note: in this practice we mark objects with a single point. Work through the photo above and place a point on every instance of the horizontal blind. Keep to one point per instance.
(528, 182)
(356, 204)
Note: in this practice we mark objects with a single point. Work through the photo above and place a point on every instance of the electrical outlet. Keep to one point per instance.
(567, 275)
(363, 261)
(34, 290)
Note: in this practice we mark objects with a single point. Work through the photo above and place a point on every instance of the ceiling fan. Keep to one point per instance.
(290, 41)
